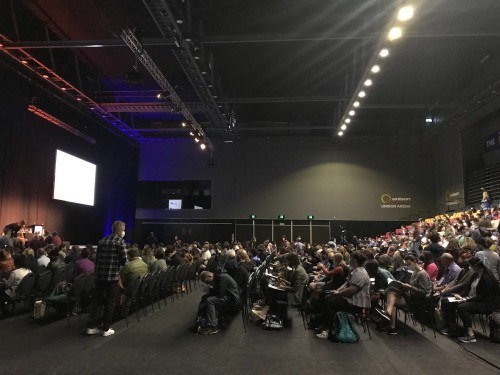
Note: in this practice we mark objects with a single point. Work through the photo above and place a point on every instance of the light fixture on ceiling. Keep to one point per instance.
(362, 94)
(395, 33)
(197, 139)
(203, 146)
(343, 127)
(429, 120)
(352, 112)
(183, 123)
(368, 82)
(341, 133)
(375, 69)
(384, 52)
(191, 134)
(163, 95)
(355, 104)
(347, 120)
(406, 13)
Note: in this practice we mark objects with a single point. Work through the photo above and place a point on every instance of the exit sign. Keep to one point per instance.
(281, 217)
(310, 217)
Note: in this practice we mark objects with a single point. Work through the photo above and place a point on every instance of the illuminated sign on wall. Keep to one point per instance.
(388, 201)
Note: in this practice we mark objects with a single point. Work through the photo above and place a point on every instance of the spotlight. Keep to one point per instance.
(183, 123)
(347, 120)
(343, 127)
(384, 53)
(405, 13)
(356, 104)
(191, 134)
(341, 133)
(196, 139)
(429, 120)
(362, 94)
(45, 76)
(375, 69)
(368, 82)
(163, 95)
(24, 61)
(63, 88)
(79, 99)
(351, 113)
(203, 146)
(395, 33)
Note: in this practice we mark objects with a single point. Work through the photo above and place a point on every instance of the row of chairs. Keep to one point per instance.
(152, 288)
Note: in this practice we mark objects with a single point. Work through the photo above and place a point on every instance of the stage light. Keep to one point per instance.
(395, 33)
(375, 69)
(45, 76)
(343, 127)
(63, 88)
(196, 139)
(406, 13)
(24, 61)
(340, 133)
(203, 146)
(384, 52)
(352, 113)
(183, 124)
(347, 120)
(163, 95)
(429, 120)
(355, 104)
(368, 82)
(191, 134)
(362, 94)
(79, 99)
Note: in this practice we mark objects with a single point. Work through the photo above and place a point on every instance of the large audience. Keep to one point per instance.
(450, 264)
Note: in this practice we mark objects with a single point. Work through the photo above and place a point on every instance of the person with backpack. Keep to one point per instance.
(353, 295)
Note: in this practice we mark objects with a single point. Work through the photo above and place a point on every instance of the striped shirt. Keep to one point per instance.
(110, 257)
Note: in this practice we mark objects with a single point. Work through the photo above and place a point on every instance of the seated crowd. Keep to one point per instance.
(449, 262)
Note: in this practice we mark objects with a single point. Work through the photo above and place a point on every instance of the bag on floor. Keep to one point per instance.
(343, 329)
(273, 322)
(39, 309)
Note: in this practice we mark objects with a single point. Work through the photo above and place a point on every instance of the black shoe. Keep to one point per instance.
(383, 313)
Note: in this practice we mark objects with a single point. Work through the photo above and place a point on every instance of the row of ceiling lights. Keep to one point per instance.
(396, 32)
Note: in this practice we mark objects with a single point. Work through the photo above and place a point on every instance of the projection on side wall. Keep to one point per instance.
(175, 195)
(74, 179)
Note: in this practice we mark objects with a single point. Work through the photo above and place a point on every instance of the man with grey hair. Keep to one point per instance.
(451, 271)
(224, 293)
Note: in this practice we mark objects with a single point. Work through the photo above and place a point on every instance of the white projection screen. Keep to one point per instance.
(74, 179)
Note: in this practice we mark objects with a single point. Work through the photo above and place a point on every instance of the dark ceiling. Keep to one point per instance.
(272, 67)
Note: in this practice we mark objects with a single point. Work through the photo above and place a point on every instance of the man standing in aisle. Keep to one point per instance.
(110, 257)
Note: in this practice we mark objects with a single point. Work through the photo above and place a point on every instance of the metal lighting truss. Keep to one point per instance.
(54, 79)
(133, 43)
(167, 24)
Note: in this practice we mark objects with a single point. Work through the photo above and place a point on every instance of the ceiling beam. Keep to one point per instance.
(94, 43)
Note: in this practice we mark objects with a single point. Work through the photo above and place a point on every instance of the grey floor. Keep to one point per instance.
(163, 343)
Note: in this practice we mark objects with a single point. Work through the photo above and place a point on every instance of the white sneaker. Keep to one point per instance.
(322, 335)
(109, 332)
(93, 331)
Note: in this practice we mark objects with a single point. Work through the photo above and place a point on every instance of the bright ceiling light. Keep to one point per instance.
(384, 53)
(347, 120)
(343, 127)
(341, 133)
(197, 140)
(405, 13)
(183, 124)
(395, 33)
(362, 94)
(375, 69)
(351, 113)
(356, 104)
(191, 134)
(203, 146)
(368, 82)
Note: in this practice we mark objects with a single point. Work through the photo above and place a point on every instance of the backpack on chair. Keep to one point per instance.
(343, 329)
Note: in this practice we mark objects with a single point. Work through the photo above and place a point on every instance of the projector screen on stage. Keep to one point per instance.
(74, 179)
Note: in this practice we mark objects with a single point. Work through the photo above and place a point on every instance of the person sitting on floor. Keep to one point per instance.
(479, 297)
(419, 287)
(224, 293)
(352, 295)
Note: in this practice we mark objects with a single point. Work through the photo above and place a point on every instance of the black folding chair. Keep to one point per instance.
(131, 297)
(24, 292)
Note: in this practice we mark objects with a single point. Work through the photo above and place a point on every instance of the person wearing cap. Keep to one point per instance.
(478, 297)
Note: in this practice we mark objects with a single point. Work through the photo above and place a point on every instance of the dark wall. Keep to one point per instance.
(298, 177)
(27, 159)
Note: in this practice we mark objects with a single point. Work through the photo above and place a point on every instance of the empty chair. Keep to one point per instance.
(42, 285)
(132, 297)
